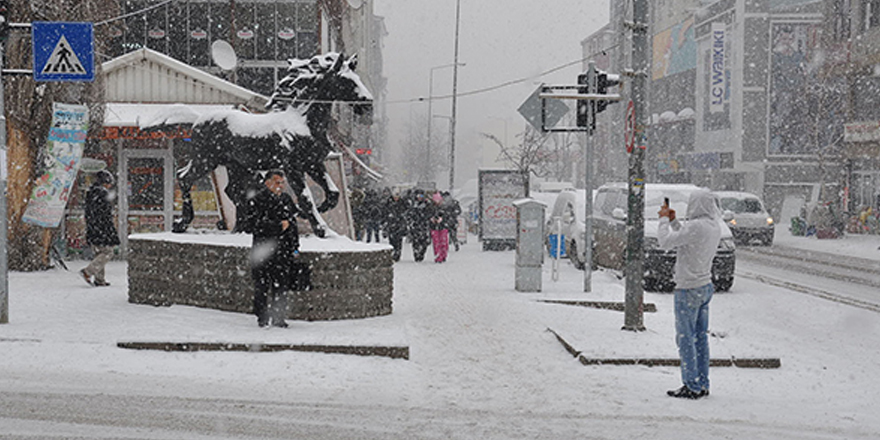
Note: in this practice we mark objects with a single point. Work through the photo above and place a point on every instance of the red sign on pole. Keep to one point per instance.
(629, 136)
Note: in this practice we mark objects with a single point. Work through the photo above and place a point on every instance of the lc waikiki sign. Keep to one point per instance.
(717, 73)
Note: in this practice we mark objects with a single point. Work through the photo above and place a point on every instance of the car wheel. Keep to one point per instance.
(575, 256)
(723, 284)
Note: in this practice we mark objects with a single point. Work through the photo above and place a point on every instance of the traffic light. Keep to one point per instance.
(4, 19)
(604, 80)
(585, 108)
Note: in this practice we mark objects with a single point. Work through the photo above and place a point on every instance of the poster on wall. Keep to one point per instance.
(675, 50)
(793, 51)
(61, 161)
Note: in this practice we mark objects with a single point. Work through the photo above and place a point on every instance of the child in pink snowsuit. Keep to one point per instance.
(439, 234)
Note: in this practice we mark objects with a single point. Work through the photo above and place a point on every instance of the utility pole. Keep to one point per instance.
(4, 266)
(454, 100)
(635, 221)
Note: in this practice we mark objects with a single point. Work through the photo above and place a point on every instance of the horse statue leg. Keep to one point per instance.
(331, 193)
(297, 182)
(241, 183)
(185, 180)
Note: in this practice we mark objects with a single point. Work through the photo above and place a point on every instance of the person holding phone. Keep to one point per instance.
(695, 241)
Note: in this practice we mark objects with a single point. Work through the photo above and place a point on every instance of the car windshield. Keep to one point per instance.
(741, 206)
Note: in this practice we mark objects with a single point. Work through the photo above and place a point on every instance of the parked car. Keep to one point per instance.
(609, 235)
(746, 217)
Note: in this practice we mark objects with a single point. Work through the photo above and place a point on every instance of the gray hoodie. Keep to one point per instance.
(694, 240)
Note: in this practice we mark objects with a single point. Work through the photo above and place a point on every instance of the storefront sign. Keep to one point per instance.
(63, 155)
(286, 34)
(717, 74)
(862, 132)
(136, 133)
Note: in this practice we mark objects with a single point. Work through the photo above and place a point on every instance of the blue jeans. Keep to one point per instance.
(691, 328)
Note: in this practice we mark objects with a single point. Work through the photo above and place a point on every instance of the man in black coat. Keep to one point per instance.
(395, 223)
(419, 218)
(100, 231)
(453, 210)
(274, 268)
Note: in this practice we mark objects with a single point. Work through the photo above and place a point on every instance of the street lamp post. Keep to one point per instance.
(430, 106)
(454, 96)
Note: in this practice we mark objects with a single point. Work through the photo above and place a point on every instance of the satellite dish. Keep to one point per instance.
(356, 4)
(223, 55)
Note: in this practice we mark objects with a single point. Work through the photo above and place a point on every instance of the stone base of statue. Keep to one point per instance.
(349, 280)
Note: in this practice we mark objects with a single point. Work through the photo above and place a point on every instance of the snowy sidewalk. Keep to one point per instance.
(482, 364)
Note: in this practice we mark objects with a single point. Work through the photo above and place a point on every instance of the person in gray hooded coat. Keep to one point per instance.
(695, 242)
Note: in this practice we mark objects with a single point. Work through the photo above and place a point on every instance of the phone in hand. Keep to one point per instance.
(666, 202)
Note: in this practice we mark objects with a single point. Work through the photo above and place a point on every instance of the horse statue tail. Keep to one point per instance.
(175, 115)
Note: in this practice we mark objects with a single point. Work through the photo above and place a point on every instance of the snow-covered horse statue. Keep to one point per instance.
(292, 137)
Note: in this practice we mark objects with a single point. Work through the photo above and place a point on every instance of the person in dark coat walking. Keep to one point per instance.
(453, 210)
(101, 232)
(373, 215)
(418, 217)
(275, 249)
(395, 222)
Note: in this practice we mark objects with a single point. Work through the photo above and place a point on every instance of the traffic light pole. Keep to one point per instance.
(635, 222)
(588, 179)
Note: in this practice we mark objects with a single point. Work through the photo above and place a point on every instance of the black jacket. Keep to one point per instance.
(418, 216)
(438, 216)
(274, 249)
(396, 222)
(100, 230)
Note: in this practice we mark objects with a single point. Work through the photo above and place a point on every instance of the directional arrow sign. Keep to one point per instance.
(531, 110)
(63, 51)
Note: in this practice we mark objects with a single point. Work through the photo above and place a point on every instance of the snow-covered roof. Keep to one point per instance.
(151, 77)
(118, 114)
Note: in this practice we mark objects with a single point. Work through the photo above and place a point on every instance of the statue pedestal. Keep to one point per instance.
(350, 280)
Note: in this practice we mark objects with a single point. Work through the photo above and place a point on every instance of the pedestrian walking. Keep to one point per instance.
(373, 215)
(418, 218)
(695, 242)
(453, 210)
(358, 216)
(101, 232)
(275, 249)
(395, 223)
(439, 233)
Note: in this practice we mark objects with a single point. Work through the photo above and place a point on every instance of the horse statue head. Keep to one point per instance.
(320, 81)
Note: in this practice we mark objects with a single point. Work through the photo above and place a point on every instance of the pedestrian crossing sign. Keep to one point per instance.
(63, 51)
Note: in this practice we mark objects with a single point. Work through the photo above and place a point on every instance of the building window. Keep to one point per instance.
(198, 37)
(842, 12)
(871, 14)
